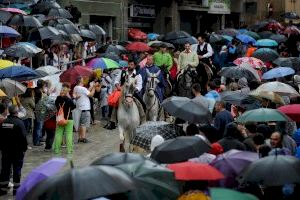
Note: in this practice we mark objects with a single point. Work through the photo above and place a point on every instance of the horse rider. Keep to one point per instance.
(152, 68)
(187, 58)
(205, 53)
(163, 59)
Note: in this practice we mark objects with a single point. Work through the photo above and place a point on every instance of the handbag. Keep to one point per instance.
(60, 118)
(113, 98)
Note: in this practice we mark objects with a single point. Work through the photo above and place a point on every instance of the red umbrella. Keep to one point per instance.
(71, 74)
(292, 110)
(188, 171)
(137, 34)
(274, 26)
(291, 30)
(138, 46)
(14, 10)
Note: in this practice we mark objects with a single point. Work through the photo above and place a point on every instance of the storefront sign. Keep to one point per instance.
(146, 11)
(219, 6)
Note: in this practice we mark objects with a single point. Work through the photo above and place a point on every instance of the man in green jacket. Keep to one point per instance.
(163, 59)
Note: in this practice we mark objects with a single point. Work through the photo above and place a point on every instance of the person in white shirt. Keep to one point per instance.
(82, 94)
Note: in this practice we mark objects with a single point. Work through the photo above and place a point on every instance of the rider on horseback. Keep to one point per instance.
(187, 58)
(163, 59)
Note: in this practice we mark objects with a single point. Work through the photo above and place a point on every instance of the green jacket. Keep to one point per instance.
(161, 59)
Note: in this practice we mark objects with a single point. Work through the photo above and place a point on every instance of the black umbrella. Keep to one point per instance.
(278, 38)
(265, 34)
(59, 12)
(272, 171)
(68, 28)
(175, 35)
(4, 16)
(240, 71)
(55, 21)
(240, 98)
(85, 183)
(180, 149)
(42, 33)
(24, 20)
(112, 48)
(293, 62)
(290, 15)
(44, 6)
(87, 35)
(113, 159)
(217, 39)
(111, 56)
(181, 41)
(94, 28)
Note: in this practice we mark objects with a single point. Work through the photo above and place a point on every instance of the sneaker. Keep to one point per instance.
(29, 148)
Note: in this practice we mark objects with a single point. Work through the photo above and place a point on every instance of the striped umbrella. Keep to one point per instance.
(103, 63)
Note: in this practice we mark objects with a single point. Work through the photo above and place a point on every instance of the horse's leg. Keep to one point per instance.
(122, 138)
(128, 135)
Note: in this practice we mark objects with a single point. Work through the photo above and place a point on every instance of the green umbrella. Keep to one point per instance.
(253, 34)
(227, 194)
(262, 115)
(153, 180)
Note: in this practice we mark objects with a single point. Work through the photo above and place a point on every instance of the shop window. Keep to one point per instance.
(250, 7)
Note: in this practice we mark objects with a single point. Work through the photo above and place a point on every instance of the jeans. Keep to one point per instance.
(37, 132)
(50, 138)
(104, 111)
(28, 125)
(59, 132)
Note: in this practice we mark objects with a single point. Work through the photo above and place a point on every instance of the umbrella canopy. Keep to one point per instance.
(45, 32)
(123, 63)
(186, 109)
(291, 30)
(25, 20)
(112, 48)
(246, 39)
(290, 15)
(278, 72)
(85, 183)
(266, 43)
(87, 35)
(71, 74)
(22, 49)
(180, 149)
(59, 12)
(265, 34)
(278, 38)
(272, 171)
(278, 87)
(174, 35)
(266, 54)
(229, 31)
(227, 194)
(293, 62)
(4, 16)
(151, 177)
(119, 158)
(12, 88)
(137, 34)
(274, 26)
(152, 36)
(292, 110)
(55, 21)
(262, 115)
(19, 73)
(272, 96)
(217, 39)
(252, 34)
(111, 56)
(6, 63)
(45, 108)
(138, 47)
(39, 174)
(240, 71)
(182, 41)
(49, 70)
(95, 29)
(68, 28)
(14, 11)
(240, 98)
(6, 31)
(148, 130)
(43, 6)
(254, 62)
(2, 94)
(103, 63)
(188, 171)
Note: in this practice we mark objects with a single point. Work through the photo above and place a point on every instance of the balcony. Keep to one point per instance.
(194, 5)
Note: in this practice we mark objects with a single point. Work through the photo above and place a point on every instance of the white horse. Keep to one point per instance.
(150, 99)
(128, 114)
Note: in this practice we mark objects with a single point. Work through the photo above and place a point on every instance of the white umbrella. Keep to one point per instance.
(49, 70)
(279, 88)
(12, 88)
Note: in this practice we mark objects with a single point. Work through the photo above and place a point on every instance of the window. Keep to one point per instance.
(250, 8)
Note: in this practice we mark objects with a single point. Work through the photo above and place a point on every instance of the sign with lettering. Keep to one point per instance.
(219, 6)
(144, 11)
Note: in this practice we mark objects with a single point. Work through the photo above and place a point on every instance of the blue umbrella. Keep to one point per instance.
(152, 36)
(228, 38)
(278, 72)
(6, 31)
(242, 30)
(266, 43)
(18, 73)
(123, 63)
(246, 39)
(266, 54)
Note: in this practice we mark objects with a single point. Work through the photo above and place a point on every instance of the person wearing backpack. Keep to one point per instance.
(64, 105)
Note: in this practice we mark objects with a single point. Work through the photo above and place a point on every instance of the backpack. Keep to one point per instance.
(113, 98)
(60, 118)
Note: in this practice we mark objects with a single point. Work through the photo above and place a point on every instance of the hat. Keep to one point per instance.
(156, 141)
(216, 149)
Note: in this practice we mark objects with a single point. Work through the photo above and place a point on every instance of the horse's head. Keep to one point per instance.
(128, 90)
(152, 82)
(190, 75)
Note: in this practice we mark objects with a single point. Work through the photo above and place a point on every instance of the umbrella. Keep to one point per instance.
(227, 194)
(254, 62)
(14, 11)
(111, 56)
(159, 43)
(266, 54)
(151, 178)
(71, 74)
(137, 34)
(6, 31)
(95, 29)
(180, 149)
(228, 38)
(112, 48)
(278, 72)
(85, 183)
(49, 70)
(246, 39)
(19, 73)
(262, 115)
(5, 63)
(278, 87)
(258, 26)
(274, 26)
(2, 94)
(216, 38)
(59, 12)
(12, 88)
(148, 130)
(292, 110)
(22, 49)
(119, 158)
(182, 41)
(24, 20)
(103, 63)
(55, 21)
(152, 36)
(189, 171)
(174, 35)
(39, 174)
(278, 38)
(87, 34)
(252, 34)
(272, 96)
(240, 98)
(4, 16)
(138, 47)
(265, 34)
(43, 6)
(240, 71)
(45, 108)
(290, 15)
(291, 30)
(228, 31)
(186, 109)
(266, 43)
(293, 62)
(68, 28)
(45, 32)
(123, 63)
(275, 170)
